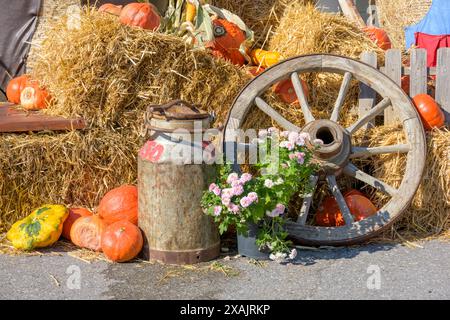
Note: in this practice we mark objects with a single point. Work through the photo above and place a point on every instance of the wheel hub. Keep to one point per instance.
(333, 155)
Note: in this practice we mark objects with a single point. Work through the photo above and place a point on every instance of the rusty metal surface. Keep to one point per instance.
(183, 257)
(169, 210)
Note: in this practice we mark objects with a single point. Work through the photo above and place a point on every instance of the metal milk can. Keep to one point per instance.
(172, 175)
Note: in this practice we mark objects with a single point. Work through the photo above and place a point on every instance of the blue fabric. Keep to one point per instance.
(436, 22)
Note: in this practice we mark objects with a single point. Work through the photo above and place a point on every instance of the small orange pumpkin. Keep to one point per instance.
(111, 9)
(431, 114)
(329, 213)
(120, 204)
(15, 87)
(34, 97)
(122, 241)
(143, 15)
(74, 214)
(227, 42)
(379, 37)
(87, 232)
(285, 90)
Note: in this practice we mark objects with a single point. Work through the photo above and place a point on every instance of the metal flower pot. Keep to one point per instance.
(247, 244)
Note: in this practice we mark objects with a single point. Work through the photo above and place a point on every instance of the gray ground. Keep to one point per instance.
(346, 273)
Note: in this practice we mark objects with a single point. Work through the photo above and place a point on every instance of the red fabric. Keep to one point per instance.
(432, 44)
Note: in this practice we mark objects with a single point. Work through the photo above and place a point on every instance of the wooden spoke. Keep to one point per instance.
(340, 200)
(304, 211)
(353, 171)
(267, 109)
(379, 108)
(341, 97)
(362, 152)
(301, 97)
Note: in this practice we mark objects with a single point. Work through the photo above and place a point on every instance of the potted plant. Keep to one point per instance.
(256, 204)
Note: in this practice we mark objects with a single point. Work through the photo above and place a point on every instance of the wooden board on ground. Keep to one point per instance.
(13, 119)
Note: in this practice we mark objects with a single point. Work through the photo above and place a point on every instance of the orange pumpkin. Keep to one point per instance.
(15, 87)
(143, 15)
(122, 241)
(329, 214)
(227, 42)
(34, 97)
(120, 204)
(285, 90)
(431, 114)
(87, 232)
(111, 9)
(74, 214)
(379, 37)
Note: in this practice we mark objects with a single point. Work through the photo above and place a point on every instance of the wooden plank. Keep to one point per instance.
(367, 96)
(393, 70)
(418, 77)
(13, 119)
(443, 81)
(351, 12)
(406, 71)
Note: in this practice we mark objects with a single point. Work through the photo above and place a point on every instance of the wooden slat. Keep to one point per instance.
(367, 96)
(351, 12)
(13, 119)
(443, 81)
(418, 77)
(393, 70)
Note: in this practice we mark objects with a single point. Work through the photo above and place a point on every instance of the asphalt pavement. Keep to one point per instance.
(368, 272)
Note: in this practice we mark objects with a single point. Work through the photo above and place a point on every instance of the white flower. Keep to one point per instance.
(278, 257)
(279, 181)
(293, 254)
(293, 137)
(284, 134)
(268, 183)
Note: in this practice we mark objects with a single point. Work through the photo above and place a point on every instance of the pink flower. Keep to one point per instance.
(217, 191)
(234, 208)
(253, 196)
(212, 186)
(246, 202)
(238, 190)
(217, 210)
(236, 183)
(293, 137)
(285, 165)
(246, 177)
(268, 183)
(278, 211)
(287, 145)
(232, 177)
(300, 157)
(226, 200)
(227, 193)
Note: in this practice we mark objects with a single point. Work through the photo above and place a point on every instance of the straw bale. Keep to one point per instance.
(395, 15)
(429, 214)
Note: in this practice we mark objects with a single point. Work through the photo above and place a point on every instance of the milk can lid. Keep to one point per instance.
(177, 110)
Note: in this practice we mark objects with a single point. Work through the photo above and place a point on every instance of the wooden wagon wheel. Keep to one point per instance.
(338, 152)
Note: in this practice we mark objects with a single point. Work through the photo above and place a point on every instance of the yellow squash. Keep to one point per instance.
(265, 58)
(40, 229)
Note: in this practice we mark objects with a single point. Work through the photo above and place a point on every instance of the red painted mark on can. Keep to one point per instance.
(151, 151)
